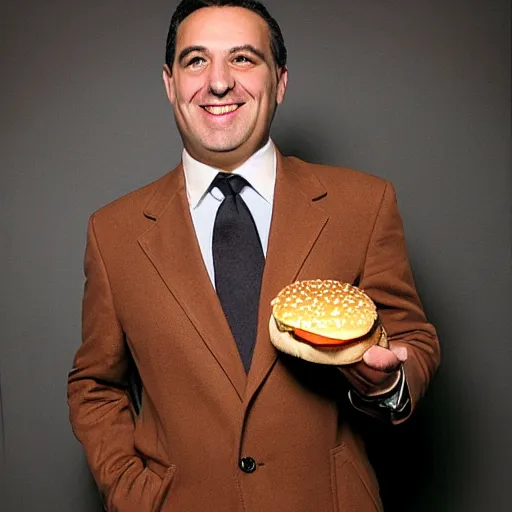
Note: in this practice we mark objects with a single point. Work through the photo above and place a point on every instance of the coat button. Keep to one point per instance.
(247, 465)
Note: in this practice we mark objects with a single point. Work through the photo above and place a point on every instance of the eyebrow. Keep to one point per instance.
(202, 49)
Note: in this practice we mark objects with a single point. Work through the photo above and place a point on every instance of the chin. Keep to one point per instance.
(223, 145)
(221, 148)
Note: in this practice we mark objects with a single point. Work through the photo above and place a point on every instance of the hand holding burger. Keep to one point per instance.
(329, 322)
(378, 372)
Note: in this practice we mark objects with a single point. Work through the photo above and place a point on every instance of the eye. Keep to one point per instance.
(243, 59)
(196, 62)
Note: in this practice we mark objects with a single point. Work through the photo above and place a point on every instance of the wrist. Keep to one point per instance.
(385, 391)
(395, 400)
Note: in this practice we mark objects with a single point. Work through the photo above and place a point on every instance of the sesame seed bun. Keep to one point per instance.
(329, 308)
(338, 322)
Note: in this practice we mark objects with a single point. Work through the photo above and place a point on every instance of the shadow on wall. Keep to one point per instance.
(425, 462)
(94, 491)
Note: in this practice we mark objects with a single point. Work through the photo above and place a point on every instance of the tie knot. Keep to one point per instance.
(229, 184)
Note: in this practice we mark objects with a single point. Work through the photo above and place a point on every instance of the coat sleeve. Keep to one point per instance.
(101, 411)
(387, 279)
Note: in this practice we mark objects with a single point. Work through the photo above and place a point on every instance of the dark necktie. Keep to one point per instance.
(238, 262)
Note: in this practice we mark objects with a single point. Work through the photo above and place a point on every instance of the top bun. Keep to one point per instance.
(325, 307)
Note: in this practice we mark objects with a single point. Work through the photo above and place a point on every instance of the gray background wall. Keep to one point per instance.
(414, 91)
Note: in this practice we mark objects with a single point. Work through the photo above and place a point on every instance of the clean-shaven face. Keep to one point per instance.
(224, 85)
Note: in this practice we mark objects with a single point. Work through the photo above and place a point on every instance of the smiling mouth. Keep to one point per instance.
(220, 110)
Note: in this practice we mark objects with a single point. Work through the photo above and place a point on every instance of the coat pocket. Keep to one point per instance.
(353, 489)
(166, 474)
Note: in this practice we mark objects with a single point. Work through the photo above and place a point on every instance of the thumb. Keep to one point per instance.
(381, 359)
(400, 352)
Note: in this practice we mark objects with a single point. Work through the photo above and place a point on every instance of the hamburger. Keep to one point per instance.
(325, 321)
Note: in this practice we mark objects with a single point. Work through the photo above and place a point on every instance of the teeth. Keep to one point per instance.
(221, 109)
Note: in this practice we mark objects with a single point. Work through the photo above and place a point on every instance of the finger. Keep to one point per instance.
(400, 352)
(382, 359)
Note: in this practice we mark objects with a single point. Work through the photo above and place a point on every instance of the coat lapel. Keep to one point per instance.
(172, 247)
(297, 221)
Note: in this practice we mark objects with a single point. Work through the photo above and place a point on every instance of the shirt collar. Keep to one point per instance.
(259, 170)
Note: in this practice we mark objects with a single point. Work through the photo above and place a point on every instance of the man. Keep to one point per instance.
(226, 423)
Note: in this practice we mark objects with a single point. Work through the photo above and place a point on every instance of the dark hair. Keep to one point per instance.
(187, 7)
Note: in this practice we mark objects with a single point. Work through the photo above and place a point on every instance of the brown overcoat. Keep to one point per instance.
(147, 291)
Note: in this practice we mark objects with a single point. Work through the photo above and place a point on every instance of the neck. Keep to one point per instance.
(226, 161)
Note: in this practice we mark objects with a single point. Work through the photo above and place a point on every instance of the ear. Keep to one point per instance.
(282, 83)
(168, 83)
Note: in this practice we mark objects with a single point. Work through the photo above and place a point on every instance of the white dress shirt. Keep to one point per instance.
(259, 170)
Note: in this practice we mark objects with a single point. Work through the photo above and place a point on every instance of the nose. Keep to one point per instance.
(221, 80)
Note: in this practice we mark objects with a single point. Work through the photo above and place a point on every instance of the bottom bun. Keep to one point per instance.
(344, 354)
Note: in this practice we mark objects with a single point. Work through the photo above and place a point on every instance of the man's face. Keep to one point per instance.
(224, 84)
